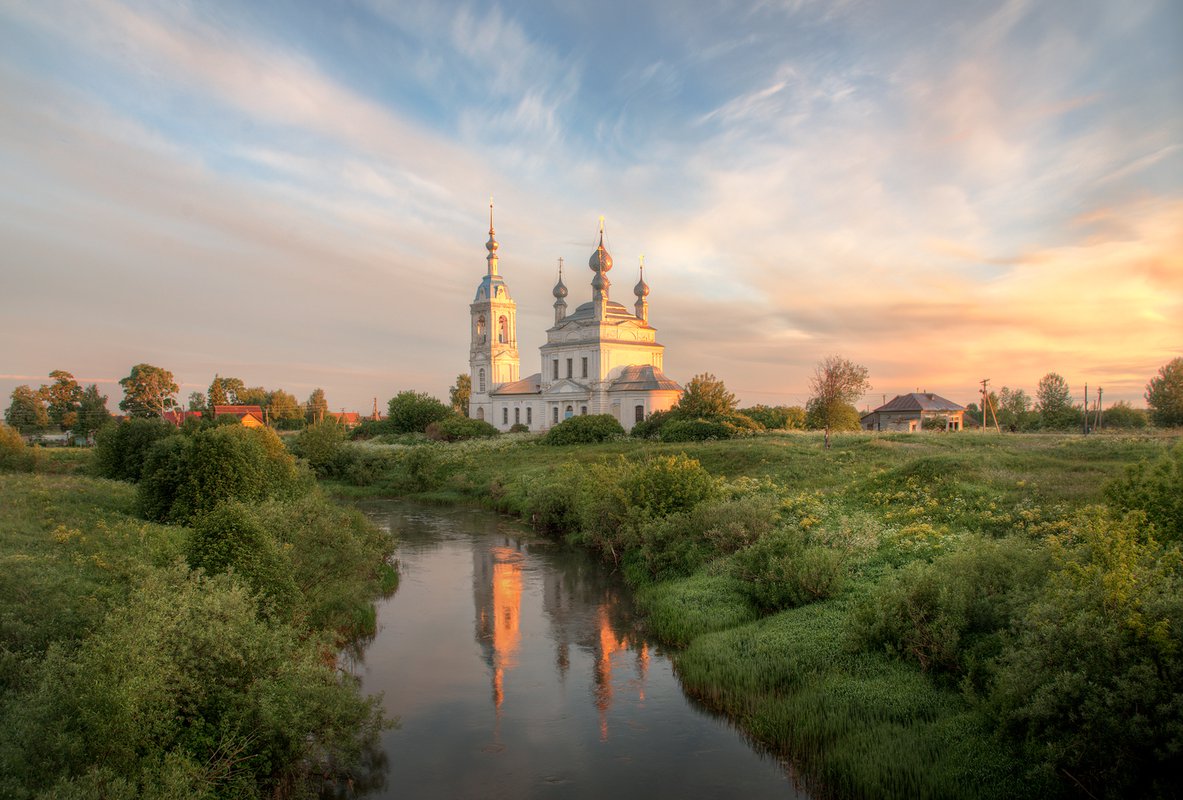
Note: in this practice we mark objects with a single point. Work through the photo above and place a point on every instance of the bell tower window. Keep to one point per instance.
(502, 330)
(480, 329)
(481, 381)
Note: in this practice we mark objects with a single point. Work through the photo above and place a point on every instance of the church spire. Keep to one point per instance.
(641, 290)
(600, 262)
(491, 245)
(560, 293)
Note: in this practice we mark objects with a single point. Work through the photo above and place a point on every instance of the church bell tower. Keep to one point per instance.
(493, 356)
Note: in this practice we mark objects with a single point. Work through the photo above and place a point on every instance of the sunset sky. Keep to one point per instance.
(297, 194)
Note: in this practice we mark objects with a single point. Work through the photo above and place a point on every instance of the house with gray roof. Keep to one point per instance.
(908, 412)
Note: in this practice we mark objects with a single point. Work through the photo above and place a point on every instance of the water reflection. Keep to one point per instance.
(515, 668)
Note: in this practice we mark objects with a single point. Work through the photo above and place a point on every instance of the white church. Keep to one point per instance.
(600, 359)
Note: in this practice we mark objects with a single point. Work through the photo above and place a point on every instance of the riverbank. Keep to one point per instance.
(124, 673)
(892, 613)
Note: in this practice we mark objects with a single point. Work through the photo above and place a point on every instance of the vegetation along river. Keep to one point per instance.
(515, 668)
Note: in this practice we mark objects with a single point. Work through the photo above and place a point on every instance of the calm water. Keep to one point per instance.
(515, 671)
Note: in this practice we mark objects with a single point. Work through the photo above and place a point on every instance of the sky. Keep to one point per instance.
(297, 193)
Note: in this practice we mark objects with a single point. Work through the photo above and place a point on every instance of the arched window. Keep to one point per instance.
(503, 330)
(517, 416)
(568, 413)
(505, 416)
(640, 413)
(480, 381)
(556, 415)
(480, 328)
(480, 413)
(529, 415)
(583, 411)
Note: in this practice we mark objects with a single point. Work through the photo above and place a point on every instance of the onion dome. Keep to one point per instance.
(601, 259)
(642, 288)
(560, 290)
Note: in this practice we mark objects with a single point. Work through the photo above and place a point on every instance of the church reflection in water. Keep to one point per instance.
(581, 611)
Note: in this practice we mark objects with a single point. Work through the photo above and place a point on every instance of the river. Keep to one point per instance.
(515, 669)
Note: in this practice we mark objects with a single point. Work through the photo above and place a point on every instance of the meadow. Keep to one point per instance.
(905, 615)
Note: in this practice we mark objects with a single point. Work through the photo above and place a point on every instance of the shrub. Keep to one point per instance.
(1155, 489)
(15, 455)
(412, 412)
(121, 448)
(456, 428)
(783, 569)
(949, 615)
(519, 427)
(231, 538)
(185, 480)
(322, 445)
(777, 417)
(700, 429)
(1090, 681)
(841, 416)
(584, 430)
(650, 427)
(1123, 416)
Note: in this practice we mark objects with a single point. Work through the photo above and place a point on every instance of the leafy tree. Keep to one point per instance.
(1122, 415)
(412, 412)
(460, 392)
(705, 396)
(148, 391)
(1014, 409)
(92, 411)
(217, 392)
(122, 447)
(836, 383)
(253, 396)
(196, 401)
(27, 411)
(322, 445)
(284, 406)
(1053, 402)
(837, 417)
(15, 455)
(62, 398)
(317, 406)
(1164, 394)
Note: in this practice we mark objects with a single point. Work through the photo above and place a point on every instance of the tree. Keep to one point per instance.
(1164, 394)
(412, 412)
(460, 392)
(317, 405)
(284, 410)
(1014, 409)
(836, 384)
(92, 411)
(705, 396)
(27, 411)
(253, 396)
(148, 391)
(1122, 415)
(217, 392)
(196, 401)
(61, 398)
(1053, 402)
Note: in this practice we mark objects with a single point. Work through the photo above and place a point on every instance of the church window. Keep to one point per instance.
(505, 416)
(503, 330)
(480, 328)
(556, 422)
(583, 411)
(584, 366)
(529, 415)
(568, 413)
(517, 416)
(640, 413)
(556, 369)
(480, 413)
(481, 381)
(569, 367)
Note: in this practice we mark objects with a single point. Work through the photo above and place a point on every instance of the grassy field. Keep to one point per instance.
(879, 625)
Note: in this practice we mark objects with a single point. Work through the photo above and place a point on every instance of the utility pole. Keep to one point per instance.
(1098, 408)
(987, 402)
(1086, 408)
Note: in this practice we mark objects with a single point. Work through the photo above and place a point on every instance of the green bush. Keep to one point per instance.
(784, 569)
(15, 455)
(322, 445)
(950, 615)
(1090, 682)
(731, 426)
(185, 480)
(777, 417)
(1156, 489)
(584, 430)
(519, 427)
(456, 428)
(1121, 415)
(412, 412)
(650, 427)
(231, 538)
(121, 448)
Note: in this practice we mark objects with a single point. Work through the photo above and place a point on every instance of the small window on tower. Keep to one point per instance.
(481, 381)
(503, 330)
(480, 328)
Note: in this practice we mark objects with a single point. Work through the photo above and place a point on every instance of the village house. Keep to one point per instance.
(249, 416)
(908, 412)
